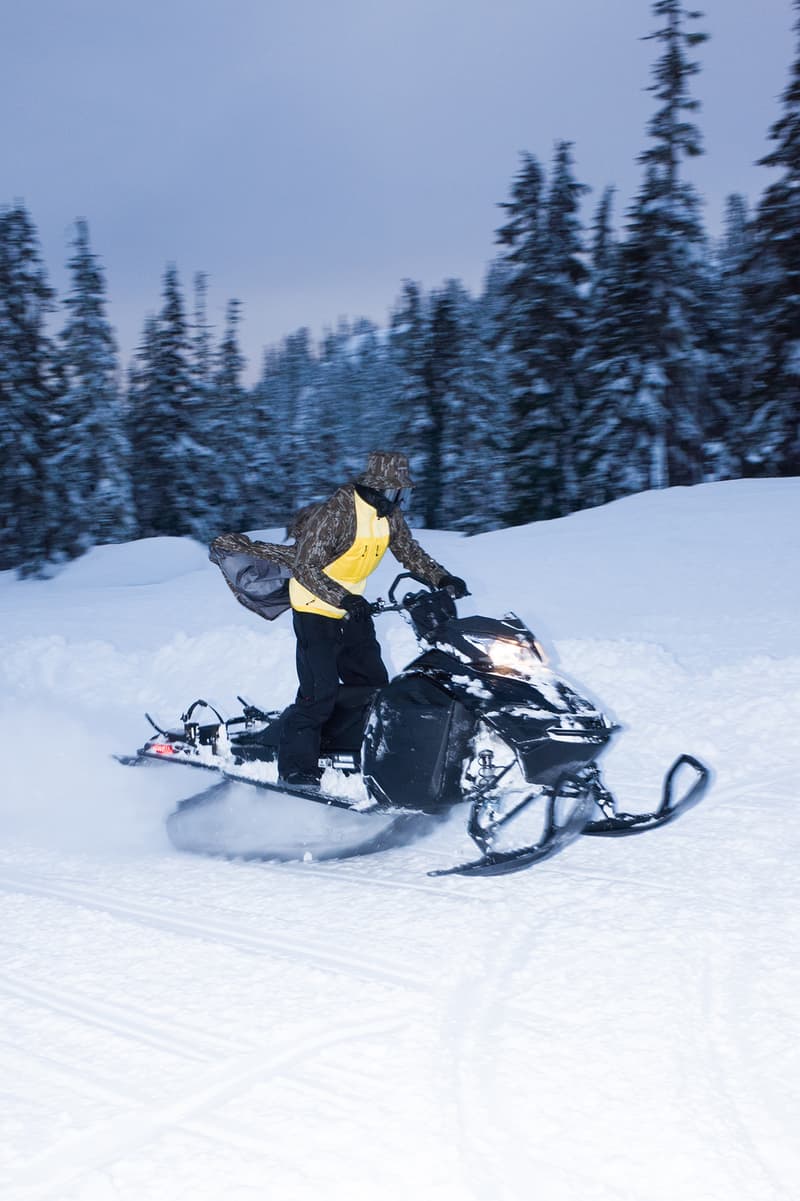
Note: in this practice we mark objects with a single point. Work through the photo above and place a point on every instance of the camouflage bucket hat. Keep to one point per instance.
(387, 469)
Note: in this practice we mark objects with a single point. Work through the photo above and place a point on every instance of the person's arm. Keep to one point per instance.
(241, 544)
(325, 535)
(408, 551)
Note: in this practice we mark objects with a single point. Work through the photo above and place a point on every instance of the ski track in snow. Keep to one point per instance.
(210, 928)
(119, 1019)
(616, 1024)
(130, 1132)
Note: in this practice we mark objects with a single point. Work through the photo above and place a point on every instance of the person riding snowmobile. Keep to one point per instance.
(338, 544)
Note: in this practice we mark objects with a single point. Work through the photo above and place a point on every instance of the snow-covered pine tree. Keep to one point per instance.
(354, 389)
(205, 512)
(492, 420)
(29, 388)
(564, 315)
(165, 452)
(90, 460)
(664, 284)
(522, 237)
(381, 374)
(439, 404)
(292, 370)
(334, 386)
(202, 349)
(408, 339)
(141, 398)
(266, 477)
(227, 430)
(732, 347)
(465, 362)
(774, 443)
(604, 371)
(543, 328)
(368, 413)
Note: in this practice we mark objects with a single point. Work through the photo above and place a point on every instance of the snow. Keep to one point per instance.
(618, 1023)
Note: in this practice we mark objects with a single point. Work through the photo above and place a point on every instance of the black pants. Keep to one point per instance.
(329, 650)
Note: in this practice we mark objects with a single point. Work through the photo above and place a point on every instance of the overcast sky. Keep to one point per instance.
(311, 154)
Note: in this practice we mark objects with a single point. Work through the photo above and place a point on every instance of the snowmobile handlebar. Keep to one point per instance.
(407, 575)
(397, 606)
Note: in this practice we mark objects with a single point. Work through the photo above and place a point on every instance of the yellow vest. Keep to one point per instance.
(352, 568)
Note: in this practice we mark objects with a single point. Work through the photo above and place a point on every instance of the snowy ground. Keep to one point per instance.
(619, 1023)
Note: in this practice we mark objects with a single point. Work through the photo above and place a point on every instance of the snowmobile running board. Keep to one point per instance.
(308, 794)
(234, 777)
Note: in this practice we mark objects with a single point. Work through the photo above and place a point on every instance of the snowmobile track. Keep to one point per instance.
(740, 1128)
(212, 929)
(122, 1020)
(90, 1084)
(126, 1134)
(469, 1021)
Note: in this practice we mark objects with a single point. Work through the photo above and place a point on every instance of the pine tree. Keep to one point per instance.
(204, 514)
(201, 339)
(337, 394)
(141, 400)
(409, 327)
(266, 482)
(227, 432)
(439, 405)
(563, 320)
(165, 451)
(663, 300)
(370, 416)
(522, 235)
(493, 425)
(354, 389)
(731, 347)
(293, 417)
(475, 494)
(458, 484)
(543, 327)
(90, 461)
(604, 369)
(775, 435)
(29, 389)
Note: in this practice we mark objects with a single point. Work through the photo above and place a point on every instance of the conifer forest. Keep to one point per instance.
(604, 355)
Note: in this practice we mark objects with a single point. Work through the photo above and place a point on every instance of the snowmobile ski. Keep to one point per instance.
(618, 824)
(555, 835)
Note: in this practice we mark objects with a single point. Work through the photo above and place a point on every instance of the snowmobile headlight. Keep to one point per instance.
(510, 655)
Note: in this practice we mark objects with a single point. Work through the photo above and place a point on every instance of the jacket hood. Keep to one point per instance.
(386, 469)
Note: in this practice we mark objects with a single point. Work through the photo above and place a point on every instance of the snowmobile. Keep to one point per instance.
(478, 719)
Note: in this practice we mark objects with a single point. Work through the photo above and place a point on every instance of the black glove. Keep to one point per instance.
(356, 608)
(454, 585)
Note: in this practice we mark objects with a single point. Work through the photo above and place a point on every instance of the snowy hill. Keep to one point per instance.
(616, 1024)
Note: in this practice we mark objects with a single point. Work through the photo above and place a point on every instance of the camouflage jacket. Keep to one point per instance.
(322, 533)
